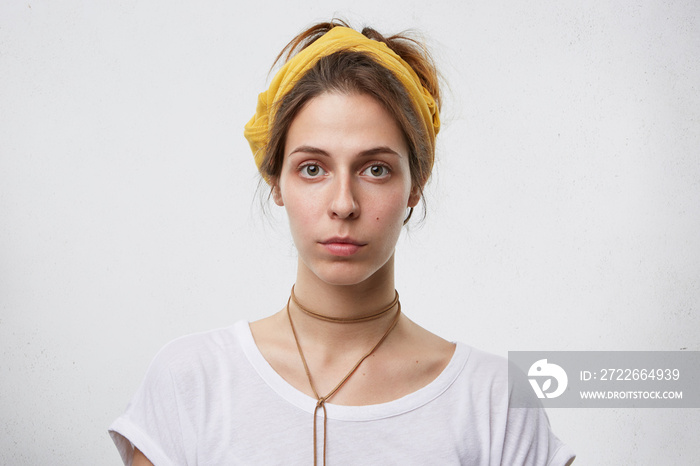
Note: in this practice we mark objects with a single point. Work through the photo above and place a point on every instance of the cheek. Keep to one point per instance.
(390, 208)
(301, 212)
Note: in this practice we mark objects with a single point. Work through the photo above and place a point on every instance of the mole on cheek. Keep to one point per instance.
(377, 218)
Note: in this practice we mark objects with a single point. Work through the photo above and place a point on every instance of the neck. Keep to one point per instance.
(342, 302)
(344, 320)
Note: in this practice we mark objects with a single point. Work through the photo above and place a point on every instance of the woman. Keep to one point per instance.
(345, 137)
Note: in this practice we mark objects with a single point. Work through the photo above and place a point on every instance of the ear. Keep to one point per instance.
(414, 197)
(277, 194)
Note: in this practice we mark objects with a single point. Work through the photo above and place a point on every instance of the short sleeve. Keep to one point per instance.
(529, 439)
(152, 420)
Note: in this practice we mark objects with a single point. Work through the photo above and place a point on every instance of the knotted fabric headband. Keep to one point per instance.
(337, 39)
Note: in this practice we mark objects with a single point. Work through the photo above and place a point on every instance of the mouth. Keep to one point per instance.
(342, 246)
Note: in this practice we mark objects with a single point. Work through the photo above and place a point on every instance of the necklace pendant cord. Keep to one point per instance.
(320, 404)
(321, 401)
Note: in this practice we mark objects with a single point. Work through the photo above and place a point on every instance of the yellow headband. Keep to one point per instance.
(337, 39)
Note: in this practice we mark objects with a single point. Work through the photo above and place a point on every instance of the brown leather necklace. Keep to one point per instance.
(321, 400)
(345, 320)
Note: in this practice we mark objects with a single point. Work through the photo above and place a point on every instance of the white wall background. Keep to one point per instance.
(564, 214)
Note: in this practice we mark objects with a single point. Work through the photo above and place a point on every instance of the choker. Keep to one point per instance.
(321, 400)
(345, 320)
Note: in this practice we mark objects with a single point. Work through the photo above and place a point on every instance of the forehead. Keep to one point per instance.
(345, 122)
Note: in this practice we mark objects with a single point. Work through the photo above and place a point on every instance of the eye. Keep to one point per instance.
(377, 171)
(311, 170)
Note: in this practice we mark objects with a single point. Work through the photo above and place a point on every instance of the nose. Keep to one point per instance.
(343, 202)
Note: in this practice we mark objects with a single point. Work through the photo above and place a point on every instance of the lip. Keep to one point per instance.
(342, 246)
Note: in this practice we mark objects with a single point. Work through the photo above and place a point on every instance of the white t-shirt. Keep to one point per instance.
(212, 399)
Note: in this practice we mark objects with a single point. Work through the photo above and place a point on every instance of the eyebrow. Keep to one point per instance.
(364, 153)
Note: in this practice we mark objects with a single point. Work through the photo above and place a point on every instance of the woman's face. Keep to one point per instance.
(345, 183)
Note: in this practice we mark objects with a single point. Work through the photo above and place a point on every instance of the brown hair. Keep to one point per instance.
(357, 72)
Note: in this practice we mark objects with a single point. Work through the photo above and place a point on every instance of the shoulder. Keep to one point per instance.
(220, 338)
(192, 366)
(196, 351)
(488, 390)
(484, 361)
(483, 369)
(492, 376)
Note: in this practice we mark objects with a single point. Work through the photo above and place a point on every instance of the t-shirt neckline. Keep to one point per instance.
(306, 403)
